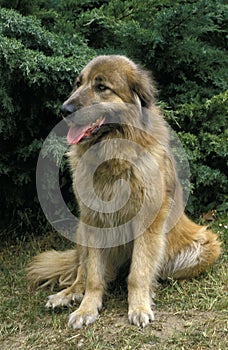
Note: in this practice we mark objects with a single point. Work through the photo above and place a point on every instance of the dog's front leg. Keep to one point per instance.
(95, 284)
(146, 257)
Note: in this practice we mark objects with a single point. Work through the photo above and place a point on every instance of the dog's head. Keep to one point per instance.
(105, 85)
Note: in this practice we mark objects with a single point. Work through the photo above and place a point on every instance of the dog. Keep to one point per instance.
(118, 129)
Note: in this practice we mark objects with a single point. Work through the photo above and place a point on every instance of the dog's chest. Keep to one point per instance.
(109, 195)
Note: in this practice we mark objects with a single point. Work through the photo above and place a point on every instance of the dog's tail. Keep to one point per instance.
(52, 267)
(190, 250)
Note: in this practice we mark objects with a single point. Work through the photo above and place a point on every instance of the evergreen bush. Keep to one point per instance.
(37, 71)
(44, 44)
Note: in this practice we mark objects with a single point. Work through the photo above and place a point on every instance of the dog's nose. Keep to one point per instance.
(68, 108)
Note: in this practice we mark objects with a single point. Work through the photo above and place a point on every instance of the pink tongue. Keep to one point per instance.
(75, 134)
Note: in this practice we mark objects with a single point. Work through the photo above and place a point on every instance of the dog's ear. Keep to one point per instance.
(143, 86)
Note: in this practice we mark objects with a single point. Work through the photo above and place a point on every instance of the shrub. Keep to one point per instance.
(37, 70)
(205, 141)
(181, 42)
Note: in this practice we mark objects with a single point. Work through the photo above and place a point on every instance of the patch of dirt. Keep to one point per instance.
(12, 343)
(112, 329)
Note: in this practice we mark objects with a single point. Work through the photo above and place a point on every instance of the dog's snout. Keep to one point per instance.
(68, 108)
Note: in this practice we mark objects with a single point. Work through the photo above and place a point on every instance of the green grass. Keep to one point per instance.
(189, 314)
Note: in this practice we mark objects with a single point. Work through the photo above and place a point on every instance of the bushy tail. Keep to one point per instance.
(190, 250)
(52, 267)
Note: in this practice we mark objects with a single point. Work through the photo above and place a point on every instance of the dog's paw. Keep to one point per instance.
(61, 299)
(82, 317)
(140, 317)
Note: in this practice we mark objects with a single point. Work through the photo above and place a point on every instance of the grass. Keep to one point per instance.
(189, 314)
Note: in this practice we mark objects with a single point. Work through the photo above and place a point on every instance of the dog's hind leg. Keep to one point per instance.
(66, 269)
(71, 294)
(76, 291)
(190, 250)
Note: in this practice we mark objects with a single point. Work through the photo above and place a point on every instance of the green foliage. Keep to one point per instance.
(205, 138)
(44, 44)
(25, 7)
(183, 43)
(36, 76)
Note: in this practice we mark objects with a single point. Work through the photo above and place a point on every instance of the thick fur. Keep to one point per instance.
(184, 251)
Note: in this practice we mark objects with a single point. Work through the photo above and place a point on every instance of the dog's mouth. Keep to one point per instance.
(79, 133)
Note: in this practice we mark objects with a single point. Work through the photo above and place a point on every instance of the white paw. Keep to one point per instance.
(60, 299)
(141, 317)
(80, 318)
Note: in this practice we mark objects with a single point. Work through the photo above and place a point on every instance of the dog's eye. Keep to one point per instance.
(77, 84)
(101, 87)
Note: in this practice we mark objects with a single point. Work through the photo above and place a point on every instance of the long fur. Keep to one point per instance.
(53, 268)
(184, 251)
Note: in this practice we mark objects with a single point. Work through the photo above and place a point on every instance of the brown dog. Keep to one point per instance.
(122, 138)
